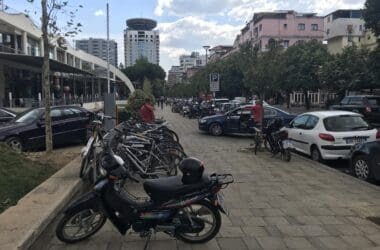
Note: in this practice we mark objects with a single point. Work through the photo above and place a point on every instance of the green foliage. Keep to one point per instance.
(144, 70)
(147, 86)
(136, 100)
(371, 16)
(346, 71)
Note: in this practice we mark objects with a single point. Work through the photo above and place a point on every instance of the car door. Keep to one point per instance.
(58, 126)
(308, 133)
(269, 115)
(296, 132)
(75, 124)
(232, 122)
(246, 121)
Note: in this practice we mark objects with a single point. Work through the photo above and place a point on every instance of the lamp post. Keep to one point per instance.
(206, 47)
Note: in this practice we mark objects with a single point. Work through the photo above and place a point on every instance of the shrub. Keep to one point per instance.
(135, 101)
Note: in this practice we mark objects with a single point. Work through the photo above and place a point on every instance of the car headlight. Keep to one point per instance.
(203, 121)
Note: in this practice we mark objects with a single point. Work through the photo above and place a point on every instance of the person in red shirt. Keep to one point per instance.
(147, 112)
(257, 112)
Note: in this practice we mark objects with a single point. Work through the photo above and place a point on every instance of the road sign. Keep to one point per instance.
(214, 82)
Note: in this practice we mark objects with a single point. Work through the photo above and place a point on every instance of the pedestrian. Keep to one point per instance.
(162, 102)
(147, 111)
(257, 112)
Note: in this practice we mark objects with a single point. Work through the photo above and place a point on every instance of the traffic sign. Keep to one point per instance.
(214, 82)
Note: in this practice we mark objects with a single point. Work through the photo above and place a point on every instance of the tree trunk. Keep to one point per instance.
(45, 78)
(307, 101)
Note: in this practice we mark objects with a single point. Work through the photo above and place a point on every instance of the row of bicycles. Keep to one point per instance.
(152, 150)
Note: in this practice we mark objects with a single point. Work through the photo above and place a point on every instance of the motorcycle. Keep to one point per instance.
(186, 207)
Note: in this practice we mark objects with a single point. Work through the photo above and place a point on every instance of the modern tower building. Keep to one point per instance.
(98, 47)
(141, 40)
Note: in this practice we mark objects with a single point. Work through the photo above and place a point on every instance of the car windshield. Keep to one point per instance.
(374, 101)
(345, 123)
(28, 116)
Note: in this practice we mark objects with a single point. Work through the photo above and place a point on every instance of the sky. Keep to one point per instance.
(184, 25)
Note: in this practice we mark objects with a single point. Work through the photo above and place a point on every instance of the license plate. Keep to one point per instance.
(287, 144)
(220, 198)
(355, 140)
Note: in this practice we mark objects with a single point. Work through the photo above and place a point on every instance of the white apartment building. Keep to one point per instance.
(141, 40)
(192, 61)
(343, 28)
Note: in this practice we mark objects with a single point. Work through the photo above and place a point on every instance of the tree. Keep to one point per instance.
(371, 16)
(147, 86)
(346, 71)
(303, 62)
(50, 28)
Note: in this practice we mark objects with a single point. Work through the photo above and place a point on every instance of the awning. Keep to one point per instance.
(37, 61)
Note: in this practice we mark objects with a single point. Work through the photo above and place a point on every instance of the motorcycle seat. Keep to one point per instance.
(164, 189)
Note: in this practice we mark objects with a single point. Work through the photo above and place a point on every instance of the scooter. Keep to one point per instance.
(185, 207)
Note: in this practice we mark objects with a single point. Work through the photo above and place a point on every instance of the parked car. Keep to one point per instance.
(329, 135)
(367, 105)
(365, 160)
(240, 120)
(27, 130)
(228, 106)
(6, 115)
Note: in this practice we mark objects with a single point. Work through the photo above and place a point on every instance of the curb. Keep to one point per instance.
(23, 223)
(329, 169)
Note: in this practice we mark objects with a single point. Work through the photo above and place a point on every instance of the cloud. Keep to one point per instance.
(244, 9)
(189, 34)
(99, 13)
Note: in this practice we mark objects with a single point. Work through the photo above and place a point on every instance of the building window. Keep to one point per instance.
(328, 19)
(301, 26)
(361, 27)
(285, 26)
(260, 27)
(328, 31)
(314, 27)
(286, 44)
(349, 39)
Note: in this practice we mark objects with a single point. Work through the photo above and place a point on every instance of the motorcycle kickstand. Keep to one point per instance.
(148, 239)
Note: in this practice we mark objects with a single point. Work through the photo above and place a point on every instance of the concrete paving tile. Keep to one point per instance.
(290, 230)
(271, 242)
(276, 220)
(231, 243)
(231, 232)
(255, 221)
(358, 241)
(298, 243)
(255, 231)
(210, 245)
(329, 242)
(252, 243)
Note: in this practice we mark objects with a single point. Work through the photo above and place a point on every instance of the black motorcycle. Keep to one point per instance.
(185, 207)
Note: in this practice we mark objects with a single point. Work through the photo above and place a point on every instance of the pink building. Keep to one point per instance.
(284, 28)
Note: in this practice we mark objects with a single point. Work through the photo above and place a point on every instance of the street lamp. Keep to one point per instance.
(206, 47)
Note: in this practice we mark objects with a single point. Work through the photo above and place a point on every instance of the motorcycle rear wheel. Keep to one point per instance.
(203, 208)
(88, 221)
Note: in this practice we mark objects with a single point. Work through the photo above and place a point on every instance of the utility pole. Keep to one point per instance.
(108, 51)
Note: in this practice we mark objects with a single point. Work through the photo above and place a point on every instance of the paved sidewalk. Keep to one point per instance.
(273, 204)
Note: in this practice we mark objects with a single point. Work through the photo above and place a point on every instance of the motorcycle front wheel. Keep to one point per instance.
(80, 225)
(201, 212)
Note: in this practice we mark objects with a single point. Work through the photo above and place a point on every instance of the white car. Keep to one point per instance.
(329, 135)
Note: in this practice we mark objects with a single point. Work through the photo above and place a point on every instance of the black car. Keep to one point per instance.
(365, 160)
(6, 115)
(240, 120)
(27, 130)
(367, 105)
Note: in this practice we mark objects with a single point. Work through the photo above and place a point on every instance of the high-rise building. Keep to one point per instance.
(98, 47)
(141, 40)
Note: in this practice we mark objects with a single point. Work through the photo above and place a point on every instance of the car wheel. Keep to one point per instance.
(15, 144)
(315, 154)
(216, 129)
(362, 168)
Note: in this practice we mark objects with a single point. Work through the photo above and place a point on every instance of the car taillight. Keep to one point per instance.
(327, 137)
(378, 134)
(368, 110)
